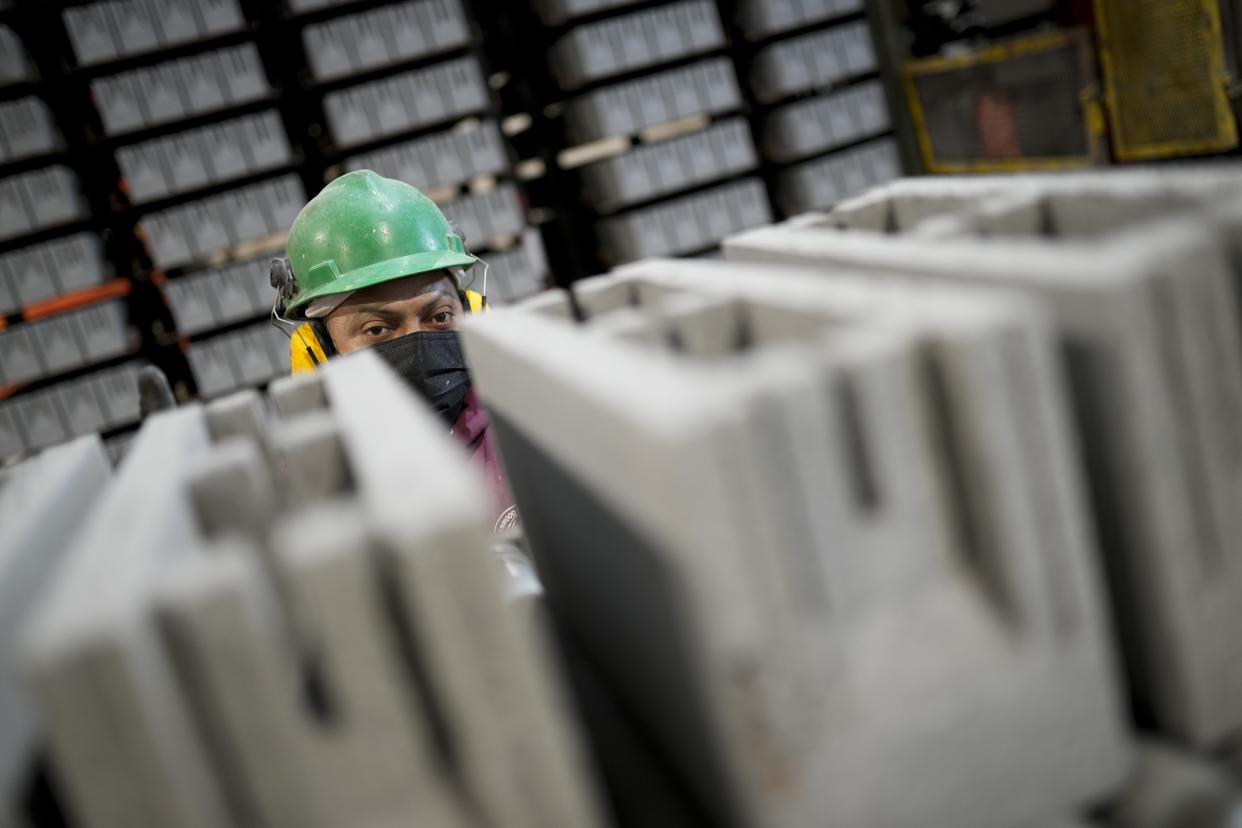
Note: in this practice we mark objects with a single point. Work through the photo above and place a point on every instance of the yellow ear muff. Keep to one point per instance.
(475, 302)
(302, 345)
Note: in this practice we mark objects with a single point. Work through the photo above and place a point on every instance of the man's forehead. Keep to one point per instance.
(399, 290)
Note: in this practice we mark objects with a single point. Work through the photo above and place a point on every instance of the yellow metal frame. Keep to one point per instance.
(1226, 126)
(1093, 115)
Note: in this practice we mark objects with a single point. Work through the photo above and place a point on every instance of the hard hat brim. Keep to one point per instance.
(381, 272)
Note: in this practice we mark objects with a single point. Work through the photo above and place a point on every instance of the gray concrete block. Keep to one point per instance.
(231, 489)
(553, 303)
(600, 295)
(869, 453)
(1171, 788)
(42, 504)
(310, 458)
(489, 674)
(141, 764)
(1077, 205)
(241, 415)
(1145, 318)
(297, 394)
(369, 754)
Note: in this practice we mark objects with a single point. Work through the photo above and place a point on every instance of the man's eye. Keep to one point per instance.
(375, 330)
(442, 318)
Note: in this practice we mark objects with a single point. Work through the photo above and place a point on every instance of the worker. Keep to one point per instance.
(373, 263)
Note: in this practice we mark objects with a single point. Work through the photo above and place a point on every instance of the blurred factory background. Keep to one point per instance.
(153, 152)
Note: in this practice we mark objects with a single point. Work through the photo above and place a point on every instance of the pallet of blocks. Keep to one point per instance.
(1147, 317)
(267, 620)
(822, 535)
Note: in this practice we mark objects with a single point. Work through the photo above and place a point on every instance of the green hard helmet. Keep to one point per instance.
(362, 230)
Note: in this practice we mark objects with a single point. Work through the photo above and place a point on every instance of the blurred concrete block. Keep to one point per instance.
(141, 764)
(488, 673)
(865, 441)
(819, 59)
(296, 394)
(649, 170)
(241, 415)
(686, 224)
(824, 181)
(311, 458)
(1079, 205)
(43, 502)
(366, 752)
(1152, 347)
(707, 87)
(1171, 788)
(549, 303)
(627, 42)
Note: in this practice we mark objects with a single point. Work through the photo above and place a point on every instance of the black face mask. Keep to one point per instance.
(432, 364)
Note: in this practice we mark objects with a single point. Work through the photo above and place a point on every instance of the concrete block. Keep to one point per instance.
(598, 295)
(553, 303)
(1171, 788)
(865, 440)
(624, 43)
(1148, 325)
(297, 394)
(649, 170)
(488, 674)
(42, 504)
(367, 754)
(141, 764)
(1079, 205)
(311, 458)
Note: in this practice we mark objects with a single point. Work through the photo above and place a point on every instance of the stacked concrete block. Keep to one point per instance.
(214, 297)
(101, 32)
(513, 274)
(356, 43)
(663, 134)
(289, 634)
(198, 230)
(706, 87)
(249, 356)
(43, 501)
(197, 158)
(554, 12)
(821, 535)
(1150, 337)
(14, 63)
(686, 224)
(633, 41)
(722, 150)
(822, 182)
(826, 120)
(41, 271)
(26, 129)
(61, 343)
(441, 159)
(762, 18)
(1079, 205)
(39, 199)
(178, 89)
(488, 215)
(816, 60)
(418, 98)
(102, 400)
